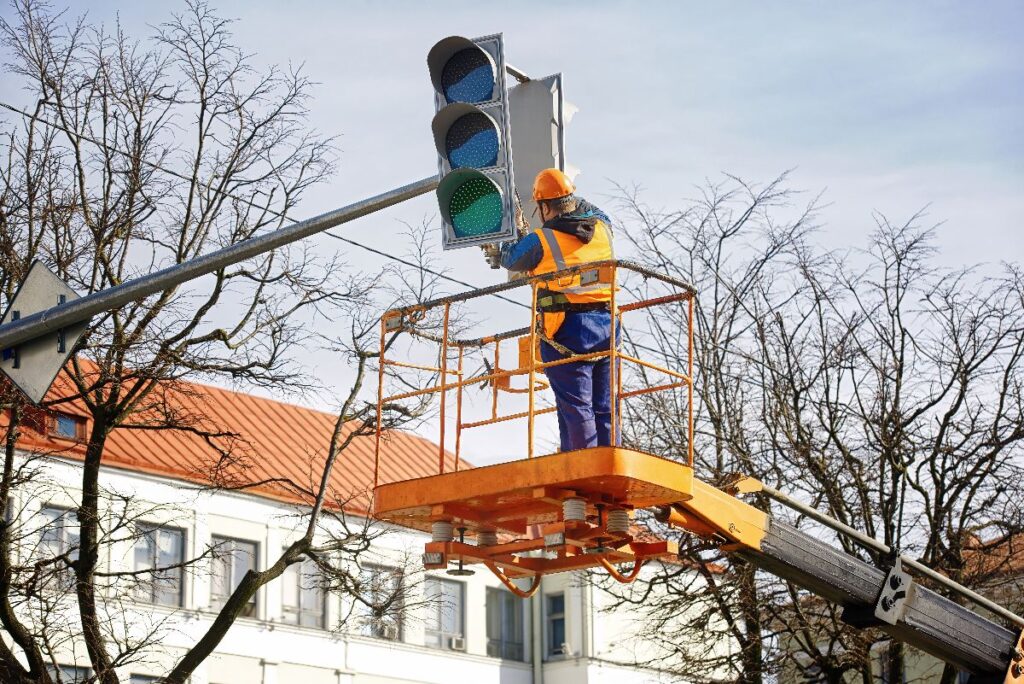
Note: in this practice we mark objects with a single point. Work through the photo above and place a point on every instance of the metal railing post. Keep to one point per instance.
(533, 367)
(444, 379)
(689, 383)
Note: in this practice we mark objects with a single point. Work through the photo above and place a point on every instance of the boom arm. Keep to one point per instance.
(870, 597)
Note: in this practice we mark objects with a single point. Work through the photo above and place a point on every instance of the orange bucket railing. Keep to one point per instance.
(405, 320)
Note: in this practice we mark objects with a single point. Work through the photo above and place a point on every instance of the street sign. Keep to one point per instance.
(33, 365)
(475, 193)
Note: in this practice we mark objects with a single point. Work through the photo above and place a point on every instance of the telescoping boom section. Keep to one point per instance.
(543, 514)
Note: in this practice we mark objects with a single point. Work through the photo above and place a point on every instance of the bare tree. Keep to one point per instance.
(896, 396)
(884, 390)
(728, 244)
(135, 156)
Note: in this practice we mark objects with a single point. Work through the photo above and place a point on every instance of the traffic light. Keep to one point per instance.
(473, 140)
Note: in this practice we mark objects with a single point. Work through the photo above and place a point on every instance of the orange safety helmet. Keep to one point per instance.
(551, 184)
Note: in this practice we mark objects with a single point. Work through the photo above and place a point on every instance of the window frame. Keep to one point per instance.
(300, 610)
(444, 638)
(65, 574)
(53, 422)
(508, 604)
(136, 678)
(373, 627)
(157, 527)
(60, 672)
(216, 601)
(552, 650)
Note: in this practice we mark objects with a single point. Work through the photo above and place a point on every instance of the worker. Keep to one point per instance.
(576, 318)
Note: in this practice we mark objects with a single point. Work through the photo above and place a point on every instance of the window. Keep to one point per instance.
(66, 426)
(143, 679)
(68, 674)
(555, 613)
(885, 675)
(381, 588)
(304, 597)
(160, 547)
(505, 635)
(60, 536)
(233, 559)
(446, 603)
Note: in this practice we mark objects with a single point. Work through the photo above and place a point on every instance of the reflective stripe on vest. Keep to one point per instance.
(554, 259)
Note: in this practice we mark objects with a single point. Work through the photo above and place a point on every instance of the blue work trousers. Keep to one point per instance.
(582, 390)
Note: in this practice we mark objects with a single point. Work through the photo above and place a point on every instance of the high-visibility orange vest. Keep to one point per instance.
(562, 251)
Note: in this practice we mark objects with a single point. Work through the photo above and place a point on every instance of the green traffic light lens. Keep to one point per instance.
(475, 208)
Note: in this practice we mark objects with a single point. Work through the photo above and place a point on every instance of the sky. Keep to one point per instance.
(885, 107)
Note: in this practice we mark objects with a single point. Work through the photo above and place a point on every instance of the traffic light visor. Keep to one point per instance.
(466, 137)
(461, 70)
(471, 203)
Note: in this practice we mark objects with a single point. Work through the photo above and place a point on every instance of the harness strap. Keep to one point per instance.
(558, 347)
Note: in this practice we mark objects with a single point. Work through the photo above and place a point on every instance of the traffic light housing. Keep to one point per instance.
(472, 135)
(539, 113)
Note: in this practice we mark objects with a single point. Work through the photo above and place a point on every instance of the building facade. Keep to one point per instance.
(442, 628)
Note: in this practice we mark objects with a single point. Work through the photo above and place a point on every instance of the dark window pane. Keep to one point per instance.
(556, 623)
(304, 597)
(66, 426)
(557, 635)
(505, 636)
(68, 674)
(381, 603)
(445, 612)
(59, 536)
(159, 549)
(234, 558)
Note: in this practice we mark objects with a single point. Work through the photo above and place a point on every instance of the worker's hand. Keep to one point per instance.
(492, 253)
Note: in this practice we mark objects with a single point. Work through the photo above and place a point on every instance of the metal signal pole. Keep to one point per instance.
(20, 336)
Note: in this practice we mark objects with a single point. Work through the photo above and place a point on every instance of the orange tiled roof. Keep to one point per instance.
(276, 450)
(997, 558)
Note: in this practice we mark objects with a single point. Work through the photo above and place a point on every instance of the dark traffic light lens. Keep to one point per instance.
(476, 208)
(472, 141)
(468, 77)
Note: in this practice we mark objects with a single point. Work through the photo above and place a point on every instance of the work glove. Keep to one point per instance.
(492, 254)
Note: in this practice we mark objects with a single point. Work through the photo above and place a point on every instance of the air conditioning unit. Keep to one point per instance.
(457, 643)
(389, 632)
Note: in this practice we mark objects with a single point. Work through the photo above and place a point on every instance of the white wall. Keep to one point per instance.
(263, 650)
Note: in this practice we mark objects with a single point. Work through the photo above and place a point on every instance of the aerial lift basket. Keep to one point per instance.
(542, 514)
